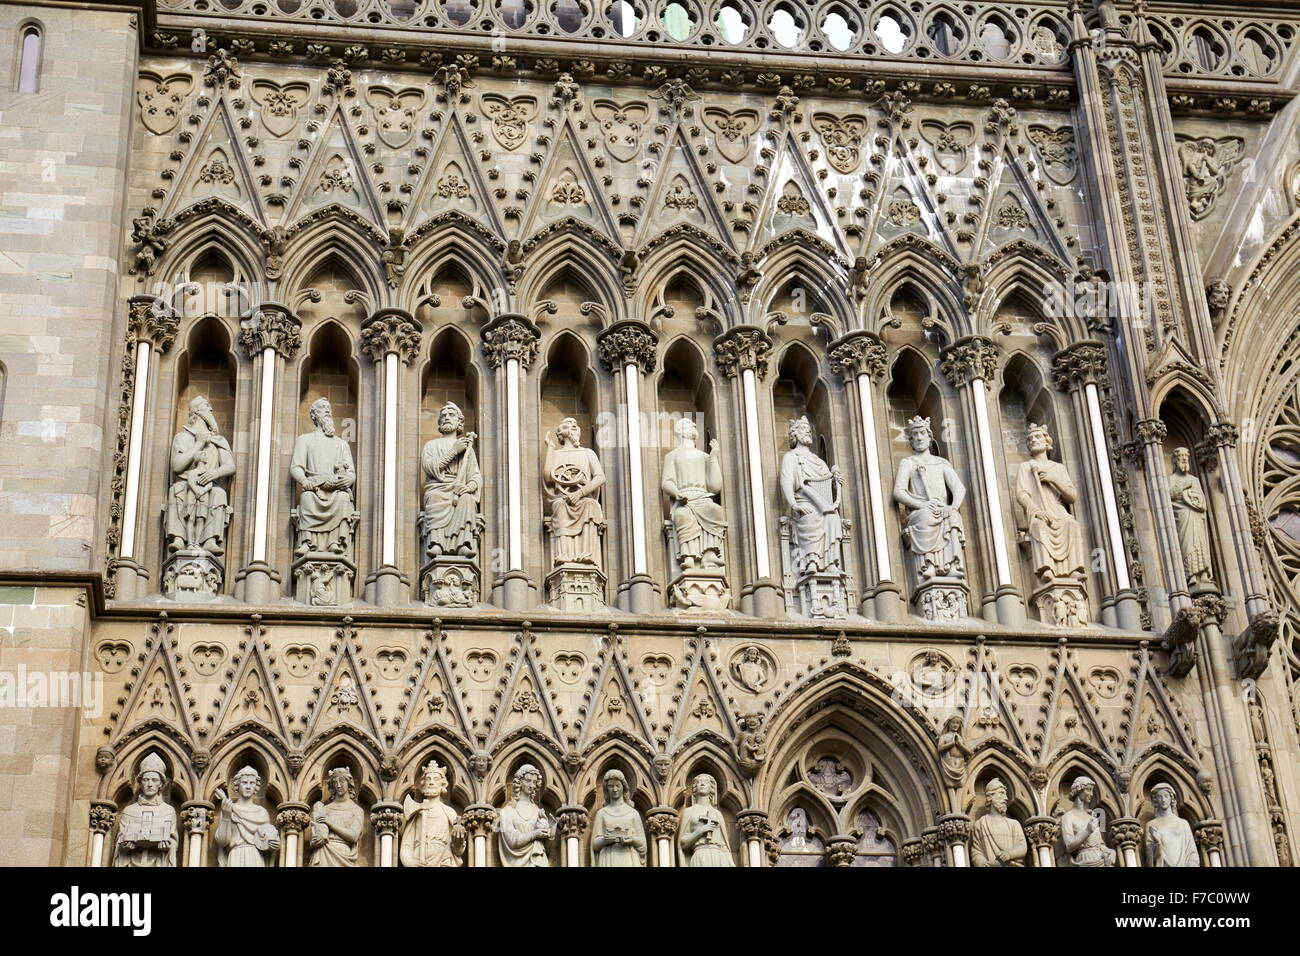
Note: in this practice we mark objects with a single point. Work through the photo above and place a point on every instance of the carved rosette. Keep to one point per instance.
(1126, 833)
(858, 353)
(293, 817)
(103, 814)
(391, 330)
(842, 851)
(661, 822)
(627, 342)
(196, 816)
(1081, 364)
(1209, 835)
(1041, 831)
(968, 359)
(151, 320)
(741, 348)
(386, 818)
(510, 337)
(572, 822)
(479, 819)
(271, 327)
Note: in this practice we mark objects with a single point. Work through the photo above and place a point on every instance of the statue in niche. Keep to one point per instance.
(452, 483)
(146, 829)
(523, 827)
(702, 833)
(928, 486)
(432, 834)
(572, 476)
(997, 839)
(1045, 491)
(197, 509)
(245, 831)
(811, 489)
(1188, 501)
(1081, 840)
(953, 752)
(617, 836)
(322, 466)
(337, 823)
(1169, 838)
(692, 479)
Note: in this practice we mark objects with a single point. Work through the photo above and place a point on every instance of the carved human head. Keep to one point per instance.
(800, 431)
(919, 434)
(322, 415)
(200, 407)
(568, 431)
(433, 780)
(152, 775)
(246, 781)
(1083, 785)
(995, 792)
(527, 781)
(1182, 460)
(614, 785)
(705, 786)
(451, 420)
(339, 783)
(1038, 439)
(1164, 797)
(686, 428)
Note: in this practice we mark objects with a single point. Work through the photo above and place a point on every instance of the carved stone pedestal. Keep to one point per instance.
(576, 587)
(942, 599)
(323, 580)
(822, 595)
(192, 575)
(1062, 603)
(450, 581)
(700, 590)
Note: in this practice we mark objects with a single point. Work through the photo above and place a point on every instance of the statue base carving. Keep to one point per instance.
(700, 590)
(821, 595)
(942, 599)
(1062, 602)
(450, 581)
(323, 580)
(576, 587)
(192, 575)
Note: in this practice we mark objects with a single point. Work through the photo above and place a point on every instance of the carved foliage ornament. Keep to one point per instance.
(969, 359)
(271, 329)
(743, 348)
(510, 117)
(391, 332)
(860, 353)
(510, 337)
(628, 342)
(842, 137)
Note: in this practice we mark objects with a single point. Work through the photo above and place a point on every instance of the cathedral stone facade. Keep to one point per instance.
(711, 432)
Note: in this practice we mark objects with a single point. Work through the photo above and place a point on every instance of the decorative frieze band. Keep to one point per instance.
(391, 330)
(858, 353)
(271, 326)
(968, 359)
(628, 342)
(511, 337)
(741, 348)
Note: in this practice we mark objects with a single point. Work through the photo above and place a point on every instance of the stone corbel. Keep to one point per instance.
(1250, 648)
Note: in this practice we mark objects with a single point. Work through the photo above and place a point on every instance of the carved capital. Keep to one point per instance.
(1125, 832)
(510, 337)
(913, 852)
(1213, 607)
(1222, 435)
(954, 828)
(858, 353)
(479, 819)
(968, 359)
(1209, 835)
(572, 821)
(1151, 431)
(1081, 364)
(627, 342)
(1041, 831)
(151, 320)
(753, 824)
(662, 822)
(744, 347)
(293, 817)
(386, 818)
(930, 842)
(196, 816)
(271, 326)
(103, 814)
(391, 330)
(842, 850)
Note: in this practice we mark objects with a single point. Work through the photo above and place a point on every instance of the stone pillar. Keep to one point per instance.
(912, 852)
(859, 359)
(386, 817)
(662, 824)
(1209, 837)
(841, 850)
(1041, 832)
(932, 846)
(742, 354)
(479, 820)
(969, 364)
(510, 344)
(270, 337)
(151, 328)
(572, 822)
(954, 833)
(391, 338)
(1126, 834)
(292, 819)
(196, 817)
(753, 824)
(1222, 437)
(627, 351)
(1080, 371)
(103, 814)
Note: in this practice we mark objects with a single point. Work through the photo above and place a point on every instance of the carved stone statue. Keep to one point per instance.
(523, 827)
(617, 835)
(1169, 838)
(929, 488)
(432, 834)
(146, 829)
(197, 511)
(815, 564)
(702, 833)
(1188, 501)
(245, 832)
(336, 824)
(452, 482)
(326, 516)
(953, 752)
(1081, 841)
(692, 479)
(997, 839)
(1045, 491)
(572, 477)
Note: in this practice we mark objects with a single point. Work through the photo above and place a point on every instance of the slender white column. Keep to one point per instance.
(749, 390)
(195, 818)
(992, 489)
(632, 381)
(289, 848)
(262, 487)
(571, 850)
(96, 854)
(755, 854)
(1109, 504)
(389, 544)
(139, 399)
(387, 820)
(1045, 855)
(880, 537)
(480, 849)
(514, 466)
